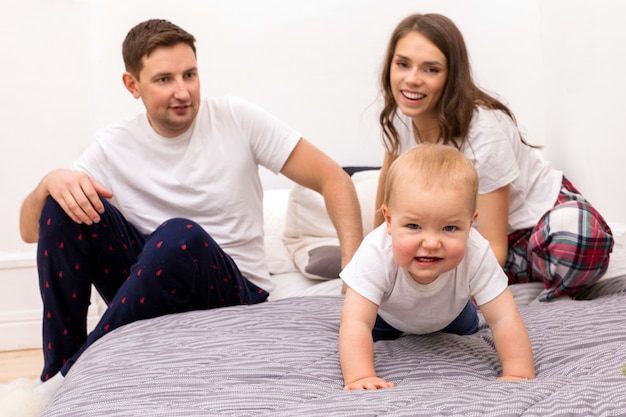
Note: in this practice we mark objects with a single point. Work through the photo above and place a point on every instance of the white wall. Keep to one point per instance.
(315, 64)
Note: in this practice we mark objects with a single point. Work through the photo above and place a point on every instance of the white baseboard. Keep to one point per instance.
(20, 303)
(22, 329)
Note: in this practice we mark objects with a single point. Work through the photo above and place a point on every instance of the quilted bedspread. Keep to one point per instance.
(280, 359)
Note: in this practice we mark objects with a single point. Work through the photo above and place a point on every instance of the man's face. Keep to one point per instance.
(169, 87)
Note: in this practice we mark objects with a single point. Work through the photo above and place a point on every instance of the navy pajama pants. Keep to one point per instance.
(465, 324)
(177, 268)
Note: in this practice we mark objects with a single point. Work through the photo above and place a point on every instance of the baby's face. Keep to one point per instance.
(429, 228)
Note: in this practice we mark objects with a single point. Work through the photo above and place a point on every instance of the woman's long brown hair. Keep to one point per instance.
(460, 94)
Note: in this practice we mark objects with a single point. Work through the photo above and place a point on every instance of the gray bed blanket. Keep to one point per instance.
(280, 359)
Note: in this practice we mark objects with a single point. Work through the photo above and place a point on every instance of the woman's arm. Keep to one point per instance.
(493, 220)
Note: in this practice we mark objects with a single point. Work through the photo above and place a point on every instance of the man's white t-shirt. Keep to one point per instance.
(209, 174)
(416, 308)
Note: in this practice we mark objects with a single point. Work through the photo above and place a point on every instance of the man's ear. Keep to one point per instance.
(131, 84)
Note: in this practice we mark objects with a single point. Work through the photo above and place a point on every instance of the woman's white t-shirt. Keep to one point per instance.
(494, 146)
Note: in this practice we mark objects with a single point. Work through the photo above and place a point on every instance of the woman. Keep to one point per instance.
(538, 225)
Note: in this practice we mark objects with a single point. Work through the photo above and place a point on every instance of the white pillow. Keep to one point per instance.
(310, 236)
(274, 212)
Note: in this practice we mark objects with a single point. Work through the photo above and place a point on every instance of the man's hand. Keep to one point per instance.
(78, 194)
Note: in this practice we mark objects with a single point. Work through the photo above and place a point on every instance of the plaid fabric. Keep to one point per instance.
(568, 249)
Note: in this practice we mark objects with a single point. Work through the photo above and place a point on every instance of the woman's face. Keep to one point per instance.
(417, 76)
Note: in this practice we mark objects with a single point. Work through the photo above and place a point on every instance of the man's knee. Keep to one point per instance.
(53, 218)
(184, 228)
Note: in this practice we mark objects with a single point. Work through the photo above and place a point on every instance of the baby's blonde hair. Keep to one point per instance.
(434, 165)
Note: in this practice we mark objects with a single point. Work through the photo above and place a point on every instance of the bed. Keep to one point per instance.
(280, 358)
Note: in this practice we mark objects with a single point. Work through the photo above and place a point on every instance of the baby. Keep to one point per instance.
(425, 268)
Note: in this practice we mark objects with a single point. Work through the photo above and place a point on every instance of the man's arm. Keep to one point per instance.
(311, 168)
(76, 192)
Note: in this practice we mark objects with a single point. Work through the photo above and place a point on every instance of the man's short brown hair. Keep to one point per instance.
(145, 37)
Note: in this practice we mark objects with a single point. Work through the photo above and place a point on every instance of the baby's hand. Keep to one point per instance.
(368, 383)
(512, 378)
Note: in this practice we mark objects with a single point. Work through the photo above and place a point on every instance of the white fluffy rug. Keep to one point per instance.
(19, 399)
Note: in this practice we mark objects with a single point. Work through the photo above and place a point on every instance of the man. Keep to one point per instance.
(163, 213)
